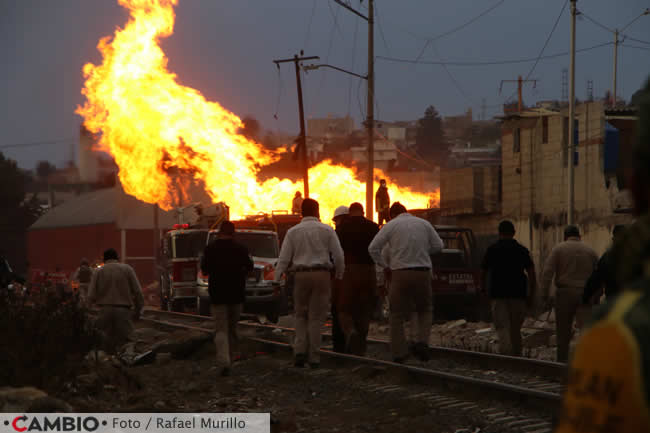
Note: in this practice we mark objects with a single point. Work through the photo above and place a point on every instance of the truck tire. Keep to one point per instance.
(202, 306)
(175, 305)
(164, 294)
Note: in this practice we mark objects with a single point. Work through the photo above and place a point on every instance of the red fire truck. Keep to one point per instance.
(180, 253)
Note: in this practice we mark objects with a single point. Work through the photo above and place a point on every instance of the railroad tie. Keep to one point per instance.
(536, 427)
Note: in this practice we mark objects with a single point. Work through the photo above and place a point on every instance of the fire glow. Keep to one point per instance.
(162, 134)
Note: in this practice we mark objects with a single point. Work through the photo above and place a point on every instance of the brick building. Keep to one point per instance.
(530, 186)
(535, 158)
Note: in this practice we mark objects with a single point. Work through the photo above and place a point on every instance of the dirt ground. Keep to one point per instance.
(329, 399)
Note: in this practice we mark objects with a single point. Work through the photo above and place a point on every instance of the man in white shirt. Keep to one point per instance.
(411, 241)
(306, 250)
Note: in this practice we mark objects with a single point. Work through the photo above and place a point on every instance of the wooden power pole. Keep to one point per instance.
(302, 140)
(520, 83)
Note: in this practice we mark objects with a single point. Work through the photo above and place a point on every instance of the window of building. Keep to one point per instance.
(516, 143)
(545, 129)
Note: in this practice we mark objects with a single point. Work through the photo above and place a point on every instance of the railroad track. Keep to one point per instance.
(521, 379)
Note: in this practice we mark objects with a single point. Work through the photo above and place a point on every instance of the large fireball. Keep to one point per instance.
(161, 132)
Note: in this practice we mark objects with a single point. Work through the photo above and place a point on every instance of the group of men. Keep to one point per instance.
(339, 267)
(509, 278)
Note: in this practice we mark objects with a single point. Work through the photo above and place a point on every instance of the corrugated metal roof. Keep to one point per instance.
(105, 206)
(97, 207)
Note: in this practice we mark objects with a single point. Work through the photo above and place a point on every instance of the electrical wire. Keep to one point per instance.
(280, 91)
(637, 40)
(635, 47)
(354, 54)
(311, 19)
(39, 143)
(597, 23)
(381, 30)
(329, 50)
(457, 28)
(335, 18)
(451, 76)
(491, 62)
(541, 53)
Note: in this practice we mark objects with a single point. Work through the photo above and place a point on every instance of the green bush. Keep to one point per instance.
(43, 340)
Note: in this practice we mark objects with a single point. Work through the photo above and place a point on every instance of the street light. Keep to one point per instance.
(616, 42)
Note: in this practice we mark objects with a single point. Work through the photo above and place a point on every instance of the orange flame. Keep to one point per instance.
(163, 134)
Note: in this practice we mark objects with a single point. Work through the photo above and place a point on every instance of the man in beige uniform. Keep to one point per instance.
(116, 291)
(571, 263)
(307, 247)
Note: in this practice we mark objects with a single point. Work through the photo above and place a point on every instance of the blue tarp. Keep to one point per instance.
(610, 149)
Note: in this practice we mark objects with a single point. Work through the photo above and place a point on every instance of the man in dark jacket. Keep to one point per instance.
(227, 264)
(505, 267)
(604, 274)
(357, 299)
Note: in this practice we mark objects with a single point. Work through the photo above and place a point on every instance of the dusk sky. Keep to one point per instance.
(225, 48)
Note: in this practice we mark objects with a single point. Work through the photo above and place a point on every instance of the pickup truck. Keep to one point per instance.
(264, 248)
(456, 276)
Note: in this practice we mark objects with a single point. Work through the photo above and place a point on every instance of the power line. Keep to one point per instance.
(354, 58)
(381, 30)
(548, 38)
(335, 18)
(636, 47)
(451, 76)
(311, 19)
(39, 143)
(491, 62)
(593, 21)
(458, 28)
(637, 40)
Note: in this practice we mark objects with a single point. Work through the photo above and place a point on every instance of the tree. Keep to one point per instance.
(17, 214)
(430, 141)
(44, 169)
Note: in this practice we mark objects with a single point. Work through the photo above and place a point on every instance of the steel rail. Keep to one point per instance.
(420, 374)
(487, 360)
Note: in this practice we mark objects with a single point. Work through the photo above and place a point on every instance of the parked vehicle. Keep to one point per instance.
(181, 249)
(456, 276)
(261, 299)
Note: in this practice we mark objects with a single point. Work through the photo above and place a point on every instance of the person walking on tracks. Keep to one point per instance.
(570, 264)
(608, 387)
(506, 273)
(411, 241)
(227, 263)
(357, 299)
(382, 200)
(115, 289)
(308, 247)
(341, 213)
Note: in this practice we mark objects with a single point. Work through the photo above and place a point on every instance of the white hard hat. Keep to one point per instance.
(341, 210)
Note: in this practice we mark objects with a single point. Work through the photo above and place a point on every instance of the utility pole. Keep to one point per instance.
(370, 118)
(156, 241)
(370, 121)
(572, 101)
(302, 144)
(616, 43)
(615, 67)
(520, 83)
